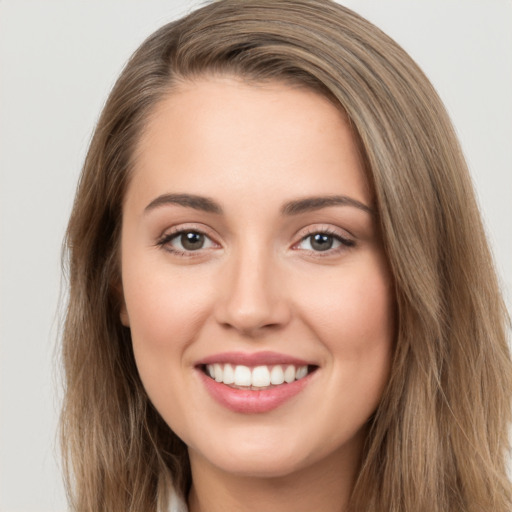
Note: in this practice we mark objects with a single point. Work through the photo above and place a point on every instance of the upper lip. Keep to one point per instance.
(253, 359)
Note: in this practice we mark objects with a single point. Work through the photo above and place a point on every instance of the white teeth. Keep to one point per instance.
(217, 370)
(301, 372)
(229, 374)
(289, 374)
(277, 375)
(243, 376)
(260, 377)
(257, 377)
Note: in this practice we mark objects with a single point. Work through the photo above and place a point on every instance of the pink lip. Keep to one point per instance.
(252, 359)
(249, 401)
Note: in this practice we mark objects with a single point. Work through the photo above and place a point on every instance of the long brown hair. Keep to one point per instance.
(438, 440)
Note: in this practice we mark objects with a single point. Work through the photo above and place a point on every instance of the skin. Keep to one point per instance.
(256, 285)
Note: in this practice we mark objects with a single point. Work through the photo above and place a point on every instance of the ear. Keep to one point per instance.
(123, 312)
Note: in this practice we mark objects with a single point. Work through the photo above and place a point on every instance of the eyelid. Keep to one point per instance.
(174, 231)
(347, 242)
(328, 229)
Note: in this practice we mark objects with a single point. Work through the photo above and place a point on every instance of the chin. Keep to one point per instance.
(260, 465)
(263, 453)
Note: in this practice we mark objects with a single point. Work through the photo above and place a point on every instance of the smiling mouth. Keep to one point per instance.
(256, 378)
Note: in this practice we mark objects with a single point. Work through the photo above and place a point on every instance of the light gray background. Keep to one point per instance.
(58, 60)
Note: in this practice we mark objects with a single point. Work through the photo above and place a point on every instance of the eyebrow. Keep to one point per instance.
(295, 207)
(187, 200)
(316, 203)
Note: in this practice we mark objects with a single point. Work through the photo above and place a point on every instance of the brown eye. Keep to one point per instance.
(324, 242)
(186, 241)
(191, 240)
(321, 242)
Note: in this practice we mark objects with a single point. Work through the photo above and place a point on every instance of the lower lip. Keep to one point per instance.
(253, 402)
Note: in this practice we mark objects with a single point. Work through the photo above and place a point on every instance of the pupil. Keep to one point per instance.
(192, 241)
(321, 242)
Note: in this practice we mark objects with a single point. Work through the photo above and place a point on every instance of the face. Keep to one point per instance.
(255, 284)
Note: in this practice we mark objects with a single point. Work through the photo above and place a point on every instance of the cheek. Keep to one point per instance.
(353, 309)
(352, 314)
(161, 298)
(166, 309)
(355, 324)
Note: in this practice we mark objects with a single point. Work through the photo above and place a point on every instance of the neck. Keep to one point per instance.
(325, 485)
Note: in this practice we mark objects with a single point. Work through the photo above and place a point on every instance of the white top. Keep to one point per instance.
(176, 503)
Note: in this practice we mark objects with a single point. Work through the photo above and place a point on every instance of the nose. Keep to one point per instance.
(252, 298)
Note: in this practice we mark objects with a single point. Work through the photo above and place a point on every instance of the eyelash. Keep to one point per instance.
(164, 241)
(345, 243)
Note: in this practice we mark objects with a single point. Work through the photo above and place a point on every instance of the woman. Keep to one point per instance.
(281, 295)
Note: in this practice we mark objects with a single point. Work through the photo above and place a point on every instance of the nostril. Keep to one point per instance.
(252, 305)
(251, 329)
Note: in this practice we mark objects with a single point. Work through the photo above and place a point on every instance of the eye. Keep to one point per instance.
(323, 242)
(190, 241)
(186, 241)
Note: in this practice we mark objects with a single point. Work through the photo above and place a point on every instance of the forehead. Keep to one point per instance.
(221, 134)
